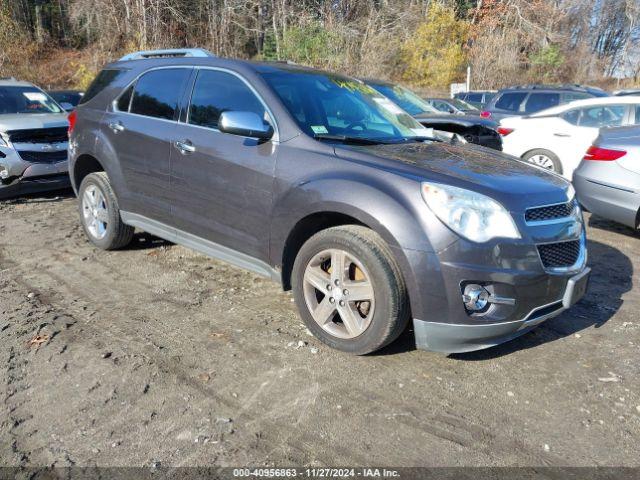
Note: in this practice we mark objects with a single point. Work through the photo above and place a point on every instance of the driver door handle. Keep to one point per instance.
(564, 135)
(116, 127)
(185, 147)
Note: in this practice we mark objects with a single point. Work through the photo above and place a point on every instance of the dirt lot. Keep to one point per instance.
(158, 354)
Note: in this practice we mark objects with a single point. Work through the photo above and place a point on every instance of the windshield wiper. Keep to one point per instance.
(348, 139)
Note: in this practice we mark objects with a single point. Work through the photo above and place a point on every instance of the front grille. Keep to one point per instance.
(562, 254)
(43, 157)
(39, 135)
(551, 212)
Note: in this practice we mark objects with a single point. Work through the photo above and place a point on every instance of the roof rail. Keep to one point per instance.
(11, 79)
(172, 52)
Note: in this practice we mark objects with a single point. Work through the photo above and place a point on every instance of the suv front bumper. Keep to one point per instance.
(27, 177)
(459, 338)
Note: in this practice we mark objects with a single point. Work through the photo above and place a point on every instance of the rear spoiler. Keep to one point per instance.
(176, 52)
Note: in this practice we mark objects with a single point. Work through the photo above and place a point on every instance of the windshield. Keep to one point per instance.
(461, 104)
(407, 100)
(326, 105)
(26, 100)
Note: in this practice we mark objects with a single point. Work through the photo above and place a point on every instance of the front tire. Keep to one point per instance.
(545, 159)
(349, 289)
(100, 214)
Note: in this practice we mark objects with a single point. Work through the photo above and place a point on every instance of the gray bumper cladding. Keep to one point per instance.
(456, 338)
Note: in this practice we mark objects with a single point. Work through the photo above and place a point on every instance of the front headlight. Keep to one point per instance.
(469, 214)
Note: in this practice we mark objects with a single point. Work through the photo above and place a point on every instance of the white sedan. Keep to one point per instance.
(557, 138)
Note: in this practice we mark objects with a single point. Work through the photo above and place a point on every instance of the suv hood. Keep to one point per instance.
(25, 121)
(515, 184)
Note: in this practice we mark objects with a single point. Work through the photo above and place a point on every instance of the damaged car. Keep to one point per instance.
(33, 140)
(473, 128)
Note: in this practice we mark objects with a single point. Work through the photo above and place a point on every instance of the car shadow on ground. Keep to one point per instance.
(604, 224)
(42, 197)
(146, 241)
(611, 277)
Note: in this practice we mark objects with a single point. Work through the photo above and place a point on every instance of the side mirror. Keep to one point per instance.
(67, 107)
(245, 124)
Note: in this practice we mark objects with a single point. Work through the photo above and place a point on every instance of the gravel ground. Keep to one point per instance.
(158, 355)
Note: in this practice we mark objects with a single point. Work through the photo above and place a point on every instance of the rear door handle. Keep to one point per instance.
(565, 135)
(185, 147)
(116, 127)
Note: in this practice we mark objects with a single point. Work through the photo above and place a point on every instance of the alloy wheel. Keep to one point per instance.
(94, 211)
(542, 161)
(339, 293)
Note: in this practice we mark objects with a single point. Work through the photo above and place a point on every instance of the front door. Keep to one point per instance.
(221, 183)
(140, 127)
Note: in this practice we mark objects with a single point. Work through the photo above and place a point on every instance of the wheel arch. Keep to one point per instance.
(83, 166)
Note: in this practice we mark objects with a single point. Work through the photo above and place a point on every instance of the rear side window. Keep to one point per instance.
(541, 101)
(637, 117)
(156, 93)
(570, 97)
(474, 97)
(510, 101)
(215, 92)
(103, 80)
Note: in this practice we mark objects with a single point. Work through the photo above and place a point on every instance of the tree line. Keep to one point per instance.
(426, 43)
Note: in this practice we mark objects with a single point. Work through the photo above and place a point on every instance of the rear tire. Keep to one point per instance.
(362, 305)
(545, 159)
(100, 214)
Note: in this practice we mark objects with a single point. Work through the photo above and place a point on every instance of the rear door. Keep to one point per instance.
(140, 127)
(574, 140)
(222, 184)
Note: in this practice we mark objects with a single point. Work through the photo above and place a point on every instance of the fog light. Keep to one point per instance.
(475, 297)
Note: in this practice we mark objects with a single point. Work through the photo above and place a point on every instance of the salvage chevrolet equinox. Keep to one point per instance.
(321, 183)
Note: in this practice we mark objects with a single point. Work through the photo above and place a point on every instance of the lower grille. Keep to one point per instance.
(43, 157)
(558, 255)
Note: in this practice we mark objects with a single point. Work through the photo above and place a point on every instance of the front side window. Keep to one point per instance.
(570, 97)
(405, 98)
(474, 97)
(215, 92)
(26, 100)
(637, 117)
(125, 100)
(511, 101)
(156, 93)
(325, 104)
(541, 101)
(603, 116)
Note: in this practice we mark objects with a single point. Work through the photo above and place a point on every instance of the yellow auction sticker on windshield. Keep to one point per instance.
(319, 129)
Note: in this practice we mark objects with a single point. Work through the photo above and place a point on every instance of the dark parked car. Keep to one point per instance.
(476, 98)
(473, 128)
(68, 99)
(608, 178)
(627, 92)
(452, 105)
(321, 183)
(528, 99)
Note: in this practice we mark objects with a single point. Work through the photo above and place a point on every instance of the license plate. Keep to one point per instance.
(576, 288)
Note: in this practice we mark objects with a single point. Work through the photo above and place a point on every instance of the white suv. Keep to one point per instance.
(558, 137)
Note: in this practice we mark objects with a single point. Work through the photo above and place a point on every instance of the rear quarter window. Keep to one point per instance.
(511, 101)
(541, 101)
(105, 78)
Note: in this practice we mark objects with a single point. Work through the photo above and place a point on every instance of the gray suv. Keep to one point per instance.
(319, 182)
(33, 140)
